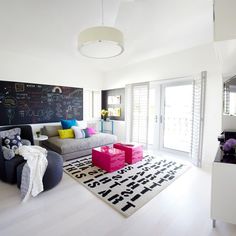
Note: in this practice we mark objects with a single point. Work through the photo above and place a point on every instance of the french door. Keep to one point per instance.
(167, 115)
(176, 115)
(170, 116)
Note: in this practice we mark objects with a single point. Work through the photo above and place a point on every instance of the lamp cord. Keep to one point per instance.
(102, 14)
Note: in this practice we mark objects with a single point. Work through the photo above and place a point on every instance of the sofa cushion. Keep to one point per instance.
(67, 124)
(91, 131)
(79, 133)
(86, 133)
(51, 130)
(25, 142)
(8, 153)
(64, 146)
(82, 124)
(12, 142)
(66, 133)
(94, 125)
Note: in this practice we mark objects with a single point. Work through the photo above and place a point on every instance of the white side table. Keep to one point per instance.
(39, 139)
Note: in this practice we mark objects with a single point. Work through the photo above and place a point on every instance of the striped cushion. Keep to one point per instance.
(79, 133)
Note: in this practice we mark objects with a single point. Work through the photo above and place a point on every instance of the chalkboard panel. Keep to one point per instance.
(26, 103)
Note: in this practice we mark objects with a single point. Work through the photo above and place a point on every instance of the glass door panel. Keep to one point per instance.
(177, 117)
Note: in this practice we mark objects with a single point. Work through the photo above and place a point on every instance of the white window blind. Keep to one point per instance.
(128, 112)
(198, 118)
(226, 100)
(96, 104)
(140, 94)
(88, 104)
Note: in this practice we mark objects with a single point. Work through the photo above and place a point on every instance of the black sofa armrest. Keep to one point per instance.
(26, 133)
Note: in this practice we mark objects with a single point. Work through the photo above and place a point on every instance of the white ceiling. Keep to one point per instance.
(49, 28)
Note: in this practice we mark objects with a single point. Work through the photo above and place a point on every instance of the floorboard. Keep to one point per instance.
(183, 208)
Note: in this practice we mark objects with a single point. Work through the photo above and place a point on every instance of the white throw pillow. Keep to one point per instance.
(82, 124)
(78, 132)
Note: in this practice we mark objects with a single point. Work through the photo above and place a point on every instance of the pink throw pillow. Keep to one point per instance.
(91, 131)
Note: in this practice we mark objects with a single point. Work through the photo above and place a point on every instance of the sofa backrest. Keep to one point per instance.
(93, 125)
(51, 130)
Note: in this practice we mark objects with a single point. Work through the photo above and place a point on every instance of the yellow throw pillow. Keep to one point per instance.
(66, 133)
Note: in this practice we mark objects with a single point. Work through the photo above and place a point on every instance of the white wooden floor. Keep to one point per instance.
(70, 209)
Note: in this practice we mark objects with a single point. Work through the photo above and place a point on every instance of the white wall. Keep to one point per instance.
(185, 63)
(225, 19)
(228, 122)
(25, 68)
(58, 70)
(119, 130)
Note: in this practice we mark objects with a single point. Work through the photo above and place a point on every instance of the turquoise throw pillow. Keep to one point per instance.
(67, 124)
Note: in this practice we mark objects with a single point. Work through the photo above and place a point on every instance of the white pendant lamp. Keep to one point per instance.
(101, 42)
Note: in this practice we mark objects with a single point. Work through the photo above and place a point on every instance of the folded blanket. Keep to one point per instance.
(25, 181)
(33, 172)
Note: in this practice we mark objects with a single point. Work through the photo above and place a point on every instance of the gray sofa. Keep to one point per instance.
(73, 148)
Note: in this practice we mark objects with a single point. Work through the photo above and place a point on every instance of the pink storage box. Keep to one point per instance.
(108, 158)
(133, 152)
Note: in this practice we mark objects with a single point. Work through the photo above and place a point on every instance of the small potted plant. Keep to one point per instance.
(104, 114)
(38, 134)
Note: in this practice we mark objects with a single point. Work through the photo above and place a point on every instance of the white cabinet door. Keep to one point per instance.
(223, 197)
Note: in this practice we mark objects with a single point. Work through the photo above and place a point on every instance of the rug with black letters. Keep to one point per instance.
(128, 189)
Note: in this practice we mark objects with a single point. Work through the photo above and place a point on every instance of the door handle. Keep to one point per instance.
(160, 119)
(156, 118)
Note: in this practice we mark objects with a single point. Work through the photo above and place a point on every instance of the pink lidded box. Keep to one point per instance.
(133, 152)
(108, 158)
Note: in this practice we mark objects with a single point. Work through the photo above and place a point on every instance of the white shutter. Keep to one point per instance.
(139, 116)
(88, 109)
(92, 104)
(199, 87)
(128, 106)
(96, 105)
(226, 99)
